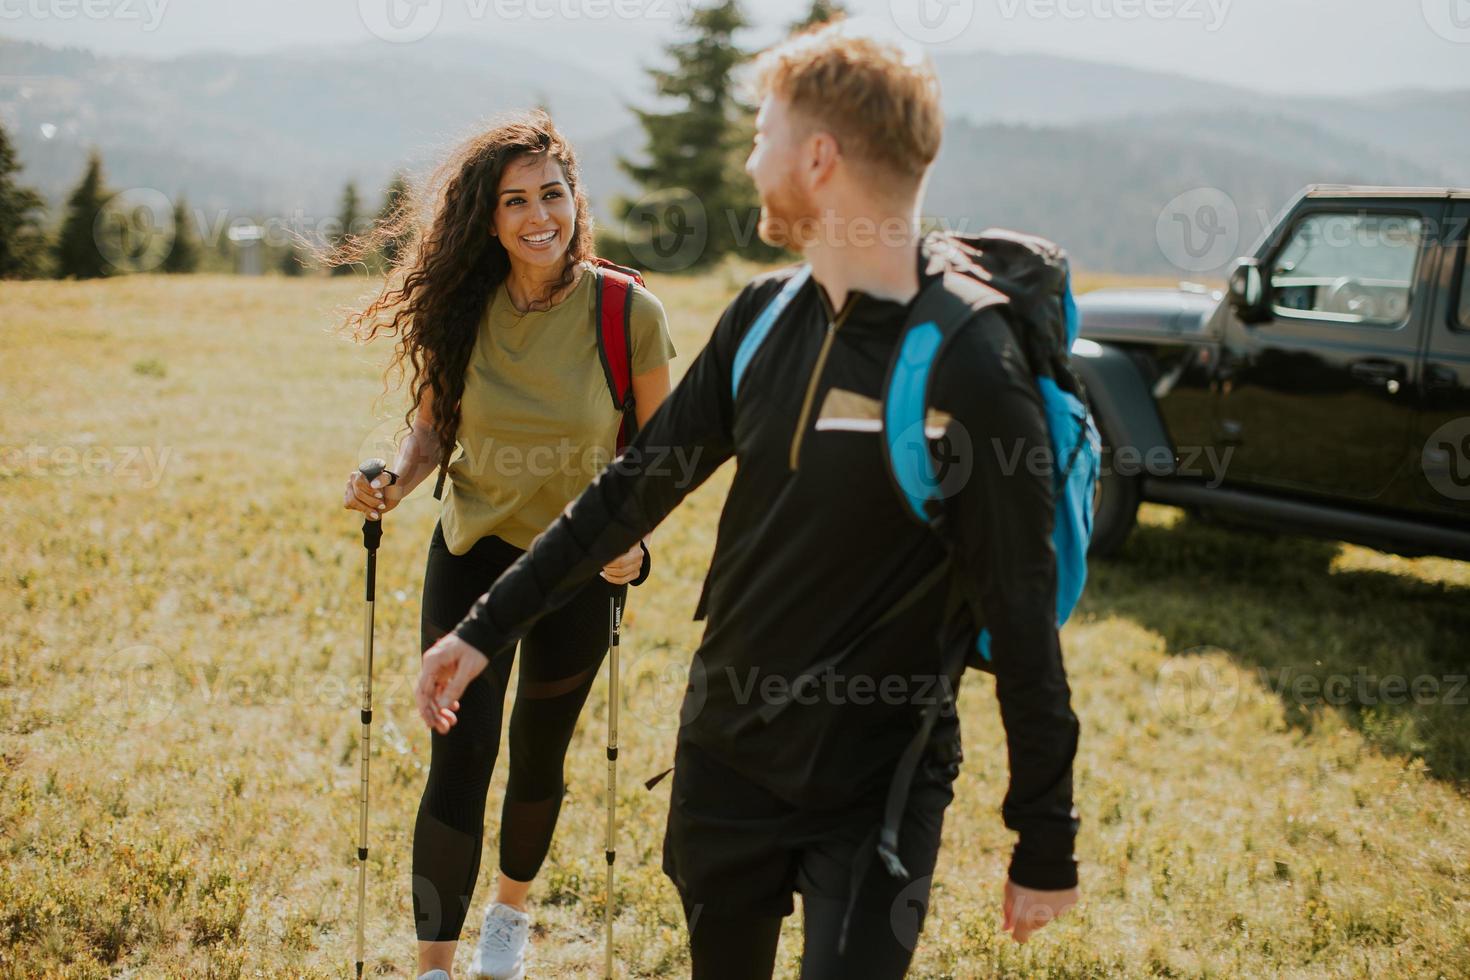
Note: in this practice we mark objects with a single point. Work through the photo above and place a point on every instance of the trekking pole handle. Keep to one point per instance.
(372, 530)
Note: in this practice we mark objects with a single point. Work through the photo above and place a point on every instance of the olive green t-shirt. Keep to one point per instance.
(537, 420)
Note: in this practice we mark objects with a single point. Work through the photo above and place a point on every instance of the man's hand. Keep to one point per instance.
(1027, 909)
(446, 670)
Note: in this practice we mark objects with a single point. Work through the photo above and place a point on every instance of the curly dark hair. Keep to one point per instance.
(449, 267)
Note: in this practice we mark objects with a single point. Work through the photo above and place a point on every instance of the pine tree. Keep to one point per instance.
(77, 252)
(394, 198)
(349, 216)
(697, 145)
(22, 242)
(821, 12)
(183, 256)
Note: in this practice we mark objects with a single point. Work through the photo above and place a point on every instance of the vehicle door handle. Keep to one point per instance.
(1377, 370)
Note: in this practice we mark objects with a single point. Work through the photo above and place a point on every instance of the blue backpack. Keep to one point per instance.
(1029, 276)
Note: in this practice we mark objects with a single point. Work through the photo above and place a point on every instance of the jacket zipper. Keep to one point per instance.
(811, 387)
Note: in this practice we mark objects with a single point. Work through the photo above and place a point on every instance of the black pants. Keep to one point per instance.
(559, 663)
(737, 854)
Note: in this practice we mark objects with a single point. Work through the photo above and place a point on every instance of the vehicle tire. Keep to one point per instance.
(1114, 504)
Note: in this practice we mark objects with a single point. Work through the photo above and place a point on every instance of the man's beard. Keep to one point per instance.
(788, 217)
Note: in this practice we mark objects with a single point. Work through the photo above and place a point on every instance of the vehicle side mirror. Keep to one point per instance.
(1248, 291)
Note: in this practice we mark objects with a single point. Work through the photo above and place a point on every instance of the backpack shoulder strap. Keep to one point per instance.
(614, 318)
(761, 328)
(946, 305)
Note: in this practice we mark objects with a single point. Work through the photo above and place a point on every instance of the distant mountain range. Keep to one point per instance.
(1085, 153)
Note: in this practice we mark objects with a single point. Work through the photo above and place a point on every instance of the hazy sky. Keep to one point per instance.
(1316, 46)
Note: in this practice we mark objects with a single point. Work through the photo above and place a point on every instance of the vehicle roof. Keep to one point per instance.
(1375, 190)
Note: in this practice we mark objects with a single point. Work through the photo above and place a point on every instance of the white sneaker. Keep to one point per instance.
(500, 953)
(434, 975)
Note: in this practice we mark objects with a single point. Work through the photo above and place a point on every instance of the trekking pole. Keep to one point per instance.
(372, 534)
(615, 630)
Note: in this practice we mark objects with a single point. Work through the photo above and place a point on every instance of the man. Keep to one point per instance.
(815, 553)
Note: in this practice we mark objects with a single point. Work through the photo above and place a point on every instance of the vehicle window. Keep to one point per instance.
(1348, 268)
(1465, 286)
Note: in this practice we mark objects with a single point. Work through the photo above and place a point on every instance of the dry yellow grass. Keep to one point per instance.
(179, 655)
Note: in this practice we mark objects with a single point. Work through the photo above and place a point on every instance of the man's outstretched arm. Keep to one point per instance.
(682, 444)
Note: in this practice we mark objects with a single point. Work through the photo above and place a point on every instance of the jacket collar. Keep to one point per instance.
(932, 255)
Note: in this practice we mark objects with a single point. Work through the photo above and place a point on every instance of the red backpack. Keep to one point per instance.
(614, 347)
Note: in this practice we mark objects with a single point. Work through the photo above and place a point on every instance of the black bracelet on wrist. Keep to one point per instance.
(393, 477)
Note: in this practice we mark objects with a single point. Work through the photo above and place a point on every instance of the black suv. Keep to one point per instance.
(1327, 393)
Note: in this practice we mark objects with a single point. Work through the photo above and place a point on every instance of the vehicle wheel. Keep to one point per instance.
(1114, 505)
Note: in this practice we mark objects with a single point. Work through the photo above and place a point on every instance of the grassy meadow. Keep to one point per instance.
(180, 640)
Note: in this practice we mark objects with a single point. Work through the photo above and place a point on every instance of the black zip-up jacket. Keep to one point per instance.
(814, 546)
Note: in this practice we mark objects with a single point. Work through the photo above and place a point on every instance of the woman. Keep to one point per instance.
(494, 308)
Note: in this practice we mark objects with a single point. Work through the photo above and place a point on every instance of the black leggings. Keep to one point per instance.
(561, 657)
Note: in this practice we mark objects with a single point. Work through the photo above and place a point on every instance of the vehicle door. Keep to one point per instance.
(1319, 398)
